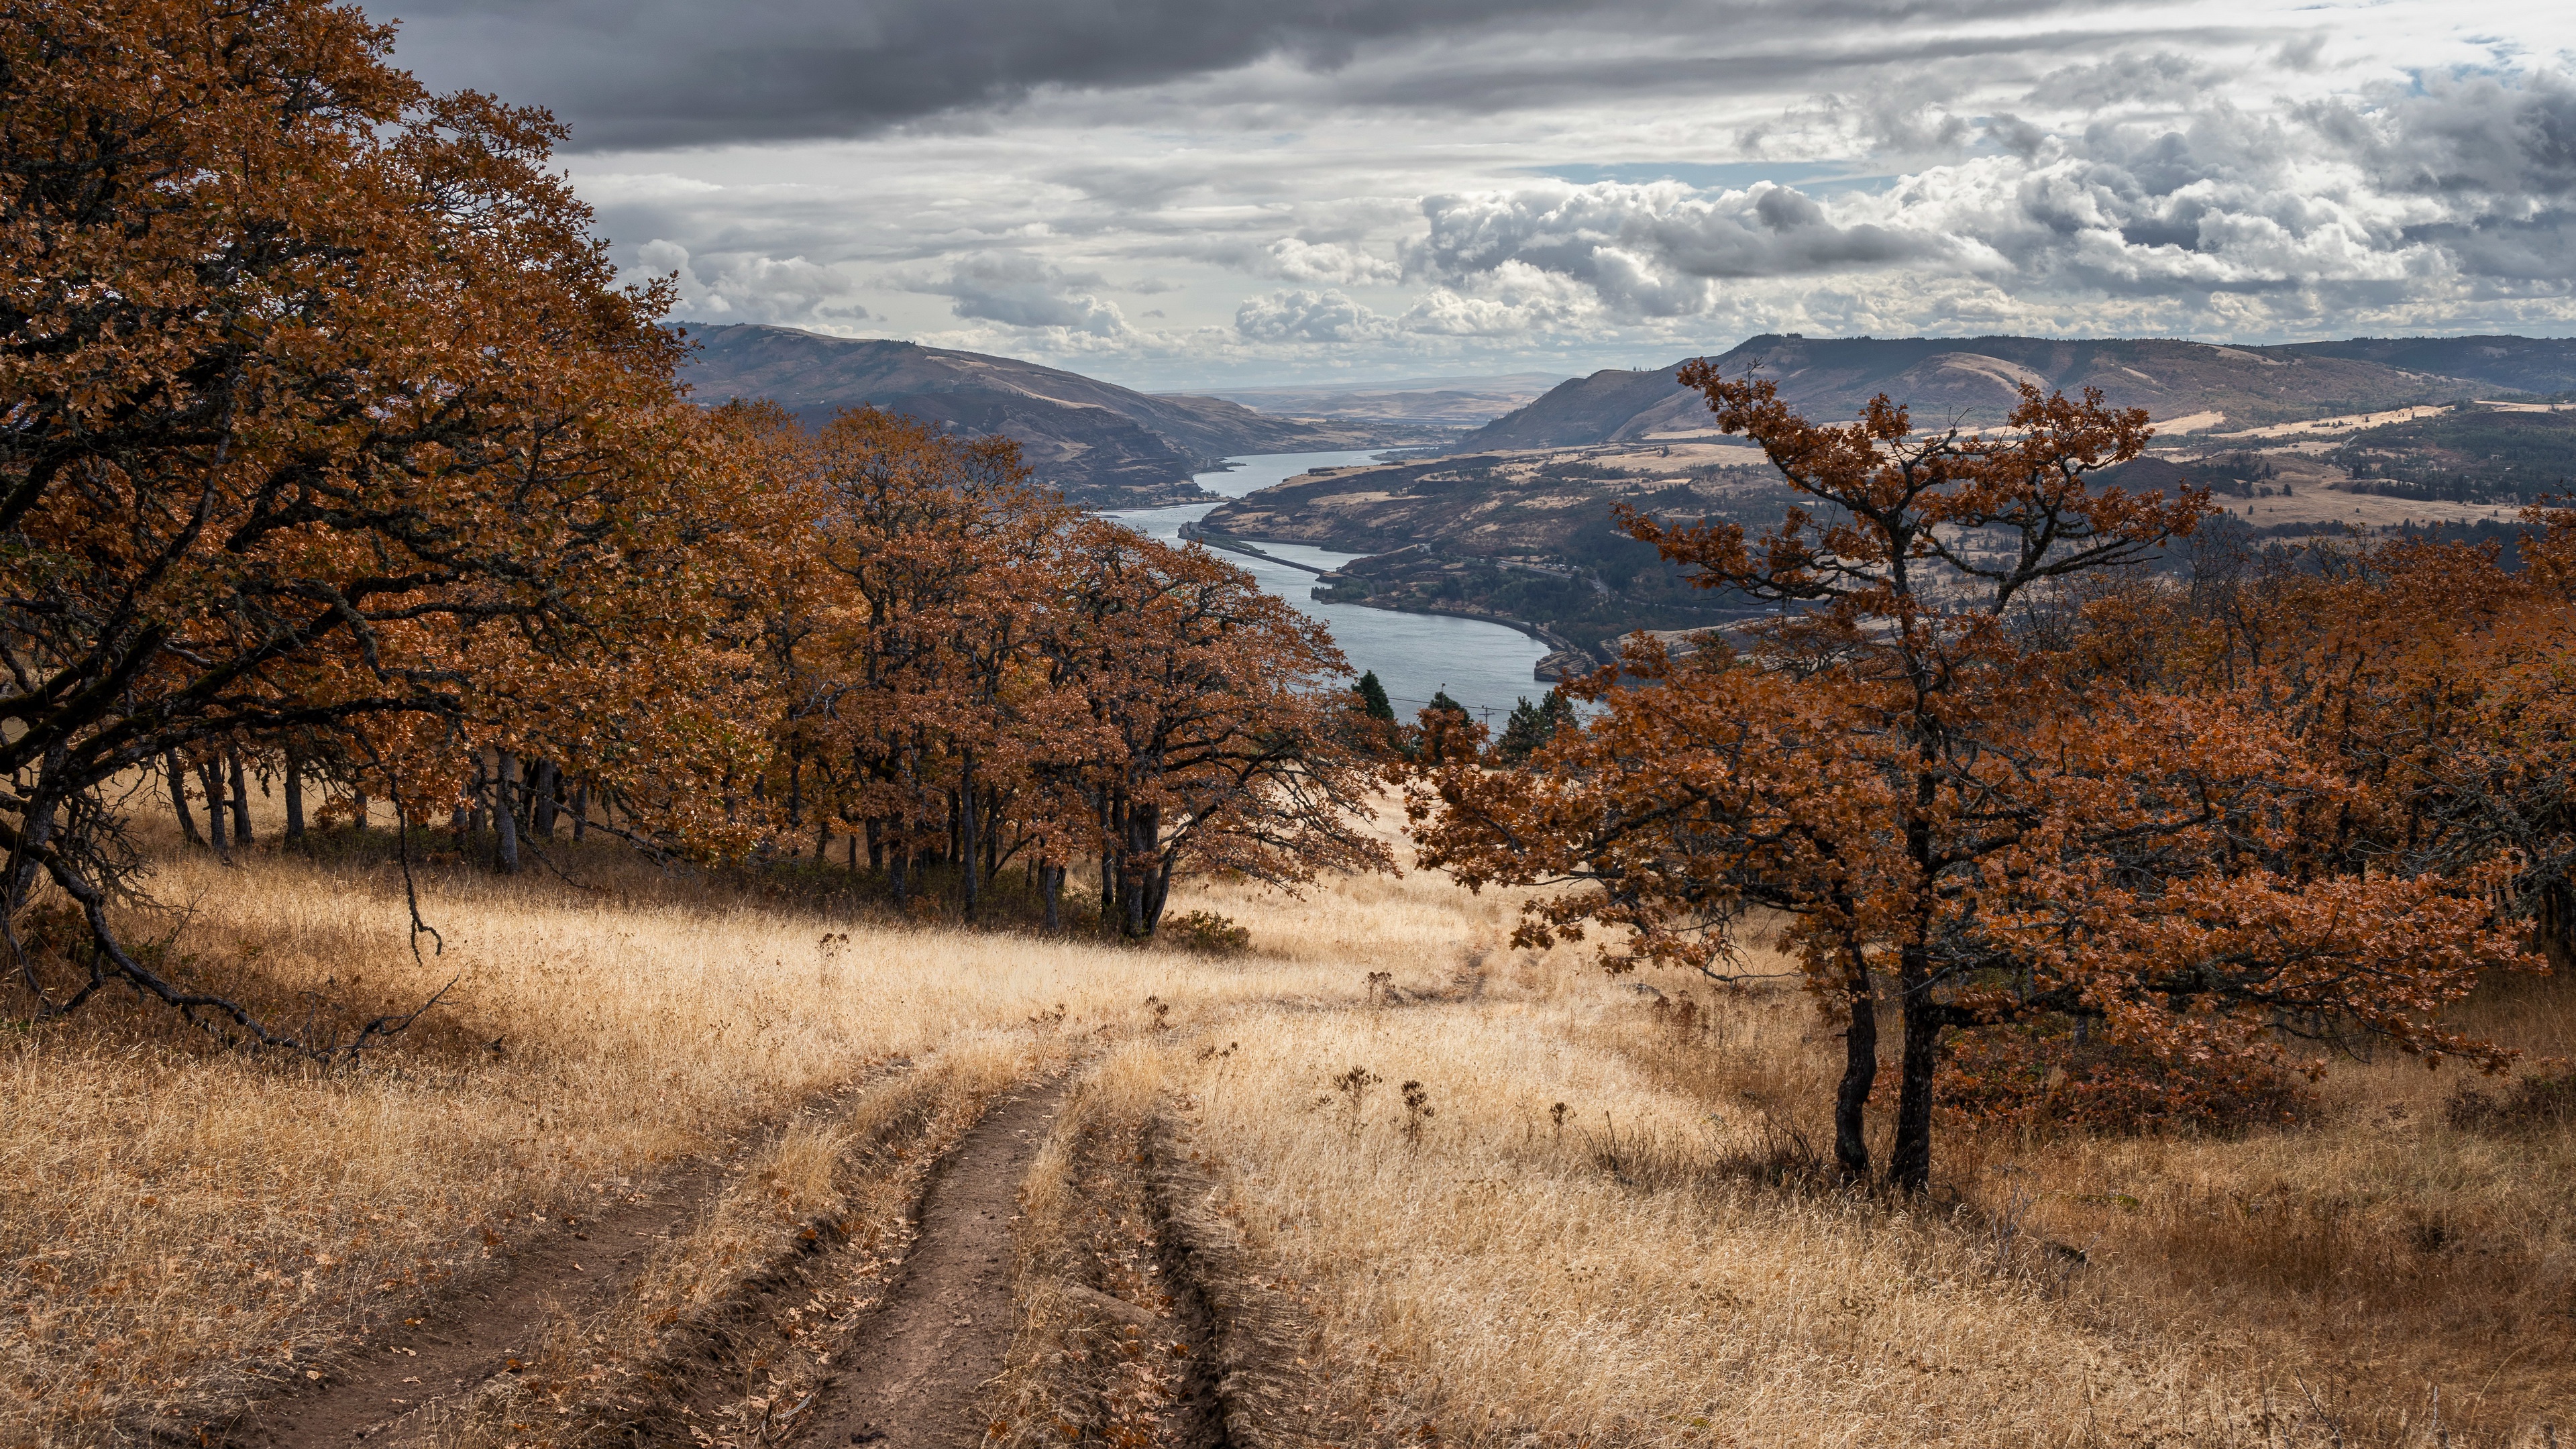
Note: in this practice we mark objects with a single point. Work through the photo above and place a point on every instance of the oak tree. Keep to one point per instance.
(1951, 815)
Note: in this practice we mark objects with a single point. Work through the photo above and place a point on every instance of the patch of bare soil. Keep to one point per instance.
(912, 1374)
(374, 1390)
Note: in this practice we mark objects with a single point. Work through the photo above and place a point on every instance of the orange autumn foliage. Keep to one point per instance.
(324, 426)
(968, 671)
(1967, 803)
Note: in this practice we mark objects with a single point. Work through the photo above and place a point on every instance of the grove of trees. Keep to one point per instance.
(333, 455)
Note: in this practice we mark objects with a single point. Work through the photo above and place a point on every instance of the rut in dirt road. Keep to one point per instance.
(912, 1378)
(377, 1389)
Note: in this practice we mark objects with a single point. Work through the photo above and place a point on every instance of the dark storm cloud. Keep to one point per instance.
(680, 74)
(671, 73)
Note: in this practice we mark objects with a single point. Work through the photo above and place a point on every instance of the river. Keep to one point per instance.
(1483, 666)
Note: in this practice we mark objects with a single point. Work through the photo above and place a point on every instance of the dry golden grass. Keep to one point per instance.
(177, 1219)
(1496, 1278)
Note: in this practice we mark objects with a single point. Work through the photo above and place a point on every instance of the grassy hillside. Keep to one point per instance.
(1380, 1178)
(2187, 385)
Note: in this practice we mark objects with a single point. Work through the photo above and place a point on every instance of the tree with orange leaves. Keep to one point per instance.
(321, 414)
(927, 575)
(1209, 736)
(1946, 811)
(2431, 678)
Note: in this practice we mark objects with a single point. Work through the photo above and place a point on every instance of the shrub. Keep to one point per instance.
(2531, 1103)
(1209, 934)
(2042, 1073)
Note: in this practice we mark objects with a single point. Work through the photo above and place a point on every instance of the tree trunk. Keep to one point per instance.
(241, 801)
(211, 775)
(1860, 1073)
(580, 811)
(1139, 849)
(358, 810)
(179, 798)
(294, 799)
(992, 834)
(966, 823)
(876, 846)
(895, 872)
(1909, 1166)
(1051, 885)
(541, 800)
(1158, 894)
(504, 817)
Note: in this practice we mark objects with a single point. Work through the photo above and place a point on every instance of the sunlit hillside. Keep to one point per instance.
(1485, 1197)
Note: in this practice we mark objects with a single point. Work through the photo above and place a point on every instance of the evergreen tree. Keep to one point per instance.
(1373, 700)
(1532, 725)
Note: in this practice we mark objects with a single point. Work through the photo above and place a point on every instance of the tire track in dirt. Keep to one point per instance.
(369, 1392)
(912, 1378)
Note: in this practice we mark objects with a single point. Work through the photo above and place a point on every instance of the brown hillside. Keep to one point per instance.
(1975, 380)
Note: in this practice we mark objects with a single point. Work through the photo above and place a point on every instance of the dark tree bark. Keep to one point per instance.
(541, 800)
(294, 789)
(580, 811)
(1909, 1165)
(1145, 878)
(965, 812)
(992, 834)
(358, 810)
(211, 775)
(241, 800)
(179, 798)
(1051, 886)
(504, 814)
(1860, 1073)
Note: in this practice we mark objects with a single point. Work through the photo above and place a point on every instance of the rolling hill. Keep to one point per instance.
(1974, 380)
(1104, 445)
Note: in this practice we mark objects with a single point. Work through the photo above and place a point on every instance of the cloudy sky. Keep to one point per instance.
(1176, 193)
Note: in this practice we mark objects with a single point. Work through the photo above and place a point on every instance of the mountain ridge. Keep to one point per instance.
(1972, 380)
(1104, 445)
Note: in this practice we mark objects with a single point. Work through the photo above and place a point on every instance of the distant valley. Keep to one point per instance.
(1106, 446)
(1502, 507)
(2448, 434)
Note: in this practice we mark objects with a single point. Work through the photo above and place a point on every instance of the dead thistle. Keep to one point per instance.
(1354, 1086)
(1417, 1110)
